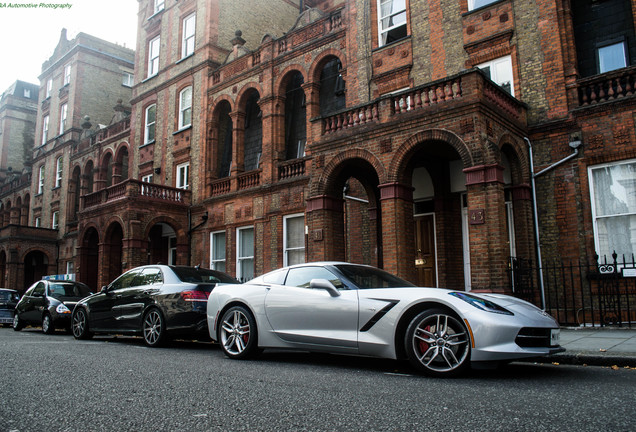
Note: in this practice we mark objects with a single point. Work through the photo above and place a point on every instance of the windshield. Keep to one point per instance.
(197, 275)
(369, 277)
(66, 289)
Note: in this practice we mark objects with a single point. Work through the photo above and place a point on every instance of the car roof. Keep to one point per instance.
(8, 289)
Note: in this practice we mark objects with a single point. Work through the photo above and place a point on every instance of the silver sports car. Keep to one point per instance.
(361, 310)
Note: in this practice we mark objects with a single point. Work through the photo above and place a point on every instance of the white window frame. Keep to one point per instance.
(602, 67)
(188, 32)
(147, 178)
(41, 180)
(127, 79)
(63, 116)
(215, 261)
(67, 74)
(149, 125)
(154, 47)
(49, 88)
(45, 129)
(159, 5)
(38, 222)
(599, 242)
(494, 65)
(392, 14)
(241, 257)
(27, 93)
(58, 171)
(183, 176)
(471, 4)
(55, 222)
(286, 248)
(185, 107)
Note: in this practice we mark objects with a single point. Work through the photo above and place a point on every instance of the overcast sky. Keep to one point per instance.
(28, 36)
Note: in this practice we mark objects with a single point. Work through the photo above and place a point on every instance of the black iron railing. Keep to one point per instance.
(598, 292)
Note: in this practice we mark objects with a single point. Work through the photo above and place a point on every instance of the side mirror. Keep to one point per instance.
(104, 290)
(326, 285)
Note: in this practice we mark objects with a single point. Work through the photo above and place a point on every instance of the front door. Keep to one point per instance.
(306, 317)
(425, 256)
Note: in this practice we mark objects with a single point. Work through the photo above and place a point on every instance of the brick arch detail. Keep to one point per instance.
(109, 224)
(507, 140)
(176, 227)
(316, 66)
(284, 77)
(321, 186)
(241, 98)
(48, 255)
(405, 151)
(120, 148)
(214, 107)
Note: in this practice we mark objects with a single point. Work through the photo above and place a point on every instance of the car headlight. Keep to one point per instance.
(480, 303)
(62, 309)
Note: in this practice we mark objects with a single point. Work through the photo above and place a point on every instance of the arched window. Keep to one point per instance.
(332, 88)
(295, 117)
(253, 132)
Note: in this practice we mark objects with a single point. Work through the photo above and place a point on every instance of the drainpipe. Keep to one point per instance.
(575, 144)
(191, 229)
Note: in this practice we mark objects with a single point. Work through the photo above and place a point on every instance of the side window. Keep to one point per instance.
(38, 290)
(124, 281)
(275, 277)
(302, 276)
(148, 276)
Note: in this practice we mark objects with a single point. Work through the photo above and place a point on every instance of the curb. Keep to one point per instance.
(589, 359)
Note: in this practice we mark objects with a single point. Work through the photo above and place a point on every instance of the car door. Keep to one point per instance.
(131, 302)
(103, 311)
(34, 304)
(303, 315)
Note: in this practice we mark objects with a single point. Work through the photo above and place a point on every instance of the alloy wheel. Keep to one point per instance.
(153, 327)
(440, 343)
(235, 332)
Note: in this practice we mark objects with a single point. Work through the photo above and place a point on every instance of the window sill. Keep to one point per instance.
(183, 129)
(482, 8)
(182, 59)
(149, 143)
(155, 14)
(150, 77)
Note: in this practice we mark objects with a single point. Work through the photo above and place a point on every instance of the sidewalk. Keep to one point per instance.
(604, 346)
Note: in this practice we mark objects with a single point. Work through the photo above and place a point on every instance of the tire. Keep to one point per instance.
(79, 324)
(237, 333)
(437, 343)
(18, 324)
(47, 324)
(154, 328)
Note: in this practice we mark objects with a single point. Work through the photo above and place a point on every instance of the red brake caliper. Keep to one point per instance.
(423, 345)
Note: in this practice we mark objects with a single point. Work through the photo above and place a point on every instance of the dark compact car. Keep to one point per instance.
(49, 303)
(154, 301)
(8, 299)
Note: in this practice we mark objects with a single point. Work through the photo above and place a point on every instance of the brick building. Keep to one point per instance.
(394, 133)
(85, 77)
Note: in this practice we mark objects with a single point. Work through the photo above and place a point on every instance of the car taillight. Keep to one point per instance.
(195, 295)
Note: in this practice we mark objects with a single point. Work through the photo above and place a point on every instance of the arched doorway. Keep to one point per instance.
(113, 251)
(35, 267)
(353, 217)
(3, 269)
(440, 221)
(162, 245)
(89, 259)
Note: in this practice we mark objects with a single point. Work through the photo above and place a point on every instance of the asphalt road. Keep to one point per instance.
(56, 383)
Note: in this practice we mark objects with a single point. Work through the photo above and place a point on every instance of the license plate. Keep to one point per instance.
(555, 336)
